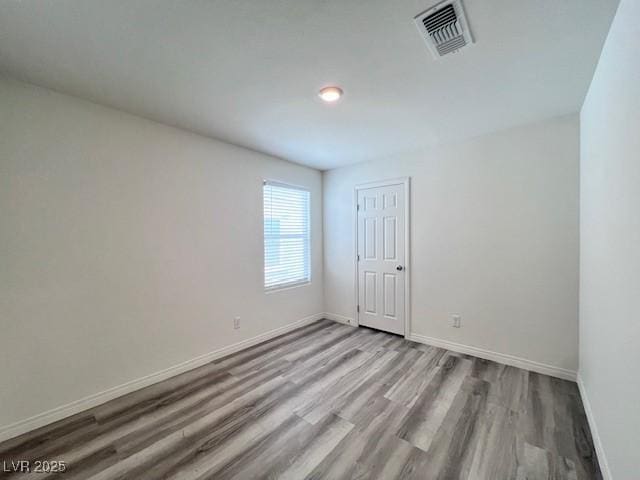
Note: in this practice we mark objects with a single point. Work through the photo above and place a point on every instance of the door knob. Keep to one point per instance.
(399, 268)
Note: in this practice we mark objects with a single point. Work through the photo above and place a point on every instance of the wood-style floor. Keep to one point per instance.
(329, 401)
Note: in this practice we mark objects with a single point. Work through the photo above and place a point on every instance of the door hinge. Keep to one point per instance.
(358, 257)
(358, 309)
(358, 207)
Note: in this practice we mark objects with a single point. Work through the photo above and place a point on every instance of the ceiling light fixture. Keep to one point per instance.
(330, 94)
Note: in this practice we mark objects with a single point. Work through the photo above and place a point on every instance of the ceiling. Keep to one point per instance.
(248, 71)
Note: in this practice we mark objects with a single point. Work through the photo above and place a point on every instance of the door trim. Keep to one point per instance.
(406, 181)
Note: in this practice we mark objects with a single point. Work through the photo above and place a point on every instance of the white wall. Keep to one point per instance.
(494, 234)
(126, 247)
(610, 247)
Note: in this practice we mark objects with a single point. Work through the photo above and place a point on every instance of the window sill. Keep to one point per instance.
(289, 286)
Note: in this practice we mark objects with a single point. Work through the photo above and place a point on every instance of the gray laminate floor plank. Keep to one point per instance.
(369, 446)
(450, 452)
(328, 401)
(430, 409)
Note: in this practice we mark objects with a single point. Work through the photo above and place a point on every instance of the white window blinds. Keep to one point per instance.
(286, 236)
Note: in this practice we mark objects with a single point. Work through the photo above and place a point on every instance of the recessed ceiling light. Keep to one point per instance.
(330, 94)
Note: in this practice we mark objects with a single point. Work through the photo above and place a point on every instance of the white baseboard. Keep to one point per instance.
(340, 318)
(497, 357)
(58, 413)
(597, 442)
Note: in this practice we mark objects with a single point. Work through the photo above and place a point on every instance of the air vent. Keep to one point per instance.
(445, 28)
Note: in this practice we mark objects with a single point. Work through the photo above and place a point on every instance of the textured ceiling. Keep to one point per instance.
(247, 71)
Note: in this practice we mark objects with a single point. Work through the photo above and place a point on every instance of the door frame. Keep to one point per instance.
(406, 181)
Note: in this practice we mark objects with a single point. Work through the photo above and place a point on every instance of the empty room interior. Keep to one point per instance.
(320, 239)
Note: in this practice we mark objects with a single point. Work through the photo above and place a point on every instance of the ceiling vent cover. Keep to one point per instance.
(445, 28)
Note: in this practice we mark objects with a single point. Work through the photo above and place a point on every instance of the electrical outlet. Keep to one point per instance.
(236, 323)
(456, 321)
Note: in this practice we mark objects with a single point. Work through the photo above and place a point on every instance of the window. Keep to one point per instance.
(286, 236)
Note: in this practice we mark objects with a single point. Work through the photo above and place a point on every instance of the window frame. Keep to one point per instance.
(292, 284)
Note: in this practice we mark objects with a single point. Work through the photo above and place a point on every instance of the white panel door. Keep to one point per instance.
(381, 258)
